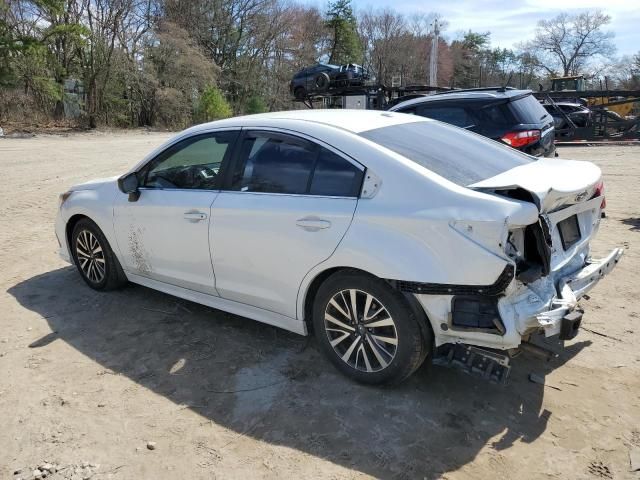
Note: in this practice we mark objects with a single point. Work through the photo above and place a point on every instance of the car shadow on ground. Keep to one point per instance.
(633, 222)
(275, 386)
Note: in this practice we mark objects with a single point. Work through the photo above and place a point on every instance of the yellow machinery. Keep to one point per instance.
(577, 84)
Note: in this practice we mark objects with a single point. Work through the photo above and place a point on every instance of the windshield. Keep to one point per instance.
(459, 156)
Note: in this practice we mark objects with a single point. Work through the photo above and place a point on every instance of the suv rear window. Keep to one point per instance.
(461, 157)
(528, 110)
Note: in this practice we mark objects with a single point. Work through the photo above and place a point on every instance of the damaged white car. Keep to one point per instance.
(392, 237)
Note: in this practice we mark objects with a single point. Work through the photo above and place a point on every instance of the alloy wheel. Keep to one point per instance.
(360, 330)
(90, 256)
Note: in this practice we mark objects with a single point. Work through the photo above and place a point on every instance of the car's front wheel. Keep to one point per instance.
(367, 329)
(94, 258)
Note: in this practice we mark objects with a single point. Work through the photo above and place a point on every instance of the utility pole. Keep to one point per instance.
(433, 61)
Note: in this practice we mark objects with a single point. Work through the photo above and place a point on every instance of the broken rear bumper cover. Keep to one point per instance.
(549, 304)
(551, 311)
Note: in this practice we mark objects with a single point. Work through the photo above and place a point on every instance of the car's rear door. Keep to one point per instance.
(287, 204)
(164, 234)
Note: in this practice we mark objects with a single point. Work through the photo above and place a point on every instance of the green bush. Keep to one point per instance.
(213, 105)
(256, 105)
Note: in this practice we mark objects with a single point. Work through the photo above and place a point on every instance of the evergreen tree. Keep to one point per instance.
(256, 105)
(213, 105)
(346, 46)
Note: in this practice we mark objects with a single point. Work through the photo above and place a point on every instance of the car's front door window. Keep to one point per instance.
(193, 163)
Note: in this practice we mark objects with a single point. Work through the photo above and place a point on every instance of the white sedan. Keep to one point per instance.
(392, 237)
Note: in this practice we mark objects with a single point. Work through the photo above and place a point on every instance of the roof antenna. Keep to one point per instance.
(504, 87)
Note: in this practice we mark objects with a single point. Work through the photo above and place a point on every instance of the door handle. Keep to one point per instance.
(195, 216)
(312, 224)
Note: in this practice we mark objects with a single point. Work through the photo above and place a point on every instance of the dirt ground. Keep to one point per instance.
(87, 379)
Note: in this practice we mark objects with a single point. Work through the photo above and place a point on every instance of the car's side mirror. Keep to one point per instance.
(129, 184)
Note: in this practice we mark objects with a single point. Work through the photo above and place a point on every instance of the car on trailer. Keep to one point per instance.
(510, 116)
(325, 78)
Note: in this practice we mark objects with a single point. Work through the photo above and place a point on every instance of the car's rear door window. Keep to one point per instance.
(335, 176)
(270, 162)
(454, 115)
(274, 164)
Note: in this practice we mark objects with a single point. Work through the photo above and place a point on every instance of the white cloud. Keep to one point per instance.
(513, 21)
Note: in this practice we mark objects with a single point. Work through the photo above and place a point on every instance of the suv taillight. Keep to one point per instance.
(521, 139)
(600, 193)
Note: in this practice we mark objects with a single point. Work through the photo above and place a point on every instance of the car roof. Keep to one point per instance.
(470, 94)
(355, 121)
(569, 104)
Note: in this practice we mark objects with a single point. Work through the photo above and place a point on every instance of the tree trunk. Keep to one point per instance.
(92, 102)
(58, 109)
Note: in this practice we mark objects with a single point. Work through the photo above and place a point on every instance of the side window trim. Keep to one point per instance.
(246, 132)
(142, 172)
(303, 136)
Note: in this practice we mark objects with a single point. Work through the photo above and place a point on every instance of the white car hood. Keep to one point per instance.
(553, 183)
(95, 184)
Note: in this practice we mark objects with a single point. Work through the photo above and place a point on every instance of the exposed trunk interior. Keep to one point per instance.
(537, 252)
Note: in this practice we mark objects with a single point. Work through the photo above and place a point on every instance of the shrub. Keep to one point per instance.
(256, 105)
(213, 105)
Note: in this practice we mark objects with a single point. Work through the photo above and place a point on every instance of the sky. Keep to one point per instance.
(512, 21)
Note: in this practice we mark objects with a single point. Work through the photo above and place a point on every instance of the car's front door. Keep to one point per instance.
(164, 235)
(288, 204)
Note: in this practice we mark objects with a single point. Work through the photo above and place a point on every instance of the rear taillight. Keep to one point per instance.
(600, 193)
(521, 139)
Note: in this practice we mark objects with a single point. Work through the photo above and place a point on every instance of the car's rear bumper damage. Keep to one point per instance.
(479, 333)
(554, 315)
(548, 305)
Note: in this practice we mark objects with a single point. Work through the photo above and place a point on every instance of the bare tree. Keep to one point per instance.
(383, 33)
(567, 43)
(399, 46)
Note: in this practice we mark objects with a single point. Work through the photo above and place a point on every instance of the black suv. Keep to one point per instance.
(322, 78)
(510, 116)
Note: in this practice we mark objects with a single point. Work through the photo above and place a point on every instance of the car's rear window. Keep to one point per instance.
(460, 156)
(528, 110)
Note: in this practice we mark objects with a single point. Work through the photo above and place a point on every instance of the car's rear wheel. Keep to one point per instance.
(94, 258)
(322, 82)
(367, 329)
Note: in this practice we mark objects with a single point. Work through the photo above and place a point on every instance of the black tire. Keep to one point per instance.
(402, 359)
(322, 82)
(111, 276)
(300, 93)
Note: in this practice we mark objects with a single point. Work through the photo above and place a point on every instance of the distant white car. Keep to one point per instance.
(392, 236)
